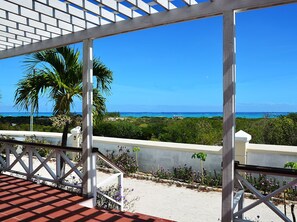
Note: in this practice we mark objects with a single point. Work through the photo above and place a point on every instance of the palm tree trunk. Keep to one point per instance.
(64, 144)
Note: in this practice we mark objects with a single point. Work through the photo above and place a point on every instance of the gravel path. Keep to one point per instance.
(183, 204)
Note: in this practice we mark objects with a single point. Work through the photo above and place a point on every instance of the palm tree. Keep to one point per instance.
(58, 74)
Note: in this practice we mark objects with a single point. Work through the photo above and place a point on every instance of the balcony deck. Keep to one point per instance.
(22, 200)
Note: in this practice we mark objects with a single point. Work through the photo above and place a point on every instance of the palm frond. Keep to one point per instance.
(58, 73)
(103, 76)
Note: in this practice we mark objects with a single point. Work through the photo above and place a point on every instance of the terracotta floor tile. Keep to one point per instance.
(2, 215)
(75, 198)
(105, 216)
(42, 189)
(10, 197)
(27, 192)
(124, 220)
(3, 183)
(19, 189)
(41, 219)
(38, 195)
(65, 195)
(25, 216)
(89, 211)
(51, 191)
(24, 183)
(58, 213)
(73, 218)
(4, 205)
(47, 199)
(20, 200)
(5, 178)
(11, 220)
(9, 186)
(31, 204)
(75, 207)
(61, 203)
(43, 209)
(12, 211)
(33, 186)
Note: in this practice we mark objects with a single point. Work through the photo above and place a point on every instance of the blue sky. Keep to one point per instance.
(179, 67)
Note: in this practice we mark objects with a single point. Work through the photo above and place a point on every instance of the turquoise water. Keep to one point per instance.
(250, 115)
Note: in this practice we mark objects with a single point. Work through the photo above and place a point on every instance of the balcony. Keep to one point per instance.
(43, 191)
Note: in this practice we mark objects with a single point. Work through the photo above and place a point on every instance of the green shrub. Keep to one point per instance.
(43, 152)
(123, 159)
(162, 174)
(121, 129)
(185, 174)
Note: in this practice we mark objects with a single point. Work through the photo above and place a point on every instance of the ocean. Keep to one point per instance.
(249, 115)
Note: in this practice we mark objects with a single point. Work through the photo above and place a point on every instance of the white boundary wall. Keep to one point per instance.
(154, 155)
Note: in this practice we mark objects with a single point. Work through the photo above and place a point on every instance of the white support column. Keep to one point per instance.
(229, 114)
(87, 125)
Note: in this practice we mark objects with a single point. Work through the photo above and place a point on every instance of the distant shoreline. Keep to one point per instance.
(248, 115)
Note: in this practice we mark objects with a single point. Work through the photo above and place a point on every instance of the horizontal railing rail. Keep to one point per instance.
(266, 170)
(50, 146)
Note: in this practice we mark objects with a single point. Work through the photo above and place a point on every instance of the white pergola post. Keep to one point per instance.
(229, 114)
(89, 173)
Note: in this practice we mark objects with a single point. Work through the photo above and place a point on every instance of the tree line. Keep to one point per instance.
(209, 131)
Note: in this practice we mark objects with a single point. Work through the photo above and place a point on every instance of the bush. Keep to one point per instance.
(263, 183)
(280, 131)
(162, 174)
(185, 174)
(195, 131)
(188, 175)
(43, 152)
(114, 192)
(121, 129)
(123, 159)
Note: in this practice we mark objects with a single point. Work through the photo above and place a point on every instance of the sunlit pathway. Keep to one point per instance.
(186, 205)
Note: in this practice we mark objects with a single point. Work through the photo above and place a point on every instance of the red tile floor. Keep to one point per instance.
(22, 200)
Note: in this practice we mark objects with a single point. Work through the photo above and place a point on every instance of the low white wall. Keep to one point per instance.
(53, 138)
(270, 155)
(154, 155)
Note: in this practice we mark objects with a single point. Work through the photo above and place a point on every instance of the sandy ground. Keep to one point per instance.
(179, 203)
(183, 204)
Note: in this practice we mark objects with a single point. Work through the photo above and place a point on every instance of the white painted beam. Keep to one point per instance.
(166, 4)
(118, 7)
(87, 124)
(229, 76)
(139, 4)
(203, 10)
(190, 2)
(99, 11)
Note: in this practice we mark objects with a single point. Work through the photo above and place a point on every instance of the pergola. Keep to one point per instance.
(27, 26)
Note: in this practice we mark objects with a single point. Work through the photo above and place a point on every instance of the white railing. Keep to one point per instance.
(25, 159)
(118, 175)
(238, 207)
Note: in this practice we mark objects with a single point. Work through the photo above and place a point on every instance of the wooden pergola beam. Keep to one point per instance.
(203, 10)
